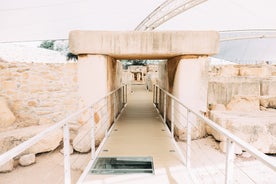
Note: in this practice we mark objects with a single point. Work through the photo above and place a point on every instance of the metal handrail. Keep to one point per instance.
(231, 138)
(5, 157)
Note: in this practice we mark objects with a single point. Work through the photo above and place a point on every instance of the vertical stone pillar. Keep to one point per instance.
(92, 78)
(190, 85)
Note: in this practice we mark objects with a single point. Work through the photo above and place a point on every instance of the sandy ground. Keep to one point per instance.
(47, 169)
(207, 167)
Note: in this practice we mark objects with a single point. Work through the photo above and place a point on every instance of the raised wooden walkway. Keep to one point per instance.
(140, 132)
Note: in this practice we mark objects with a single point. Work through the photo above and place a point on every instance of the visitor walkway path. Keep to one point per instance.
(140, 132)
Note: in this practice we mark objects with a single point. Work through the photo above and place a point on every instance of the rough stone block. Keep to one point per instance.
(268, 101)
(268, 87)
(7, 167)
(244, 104)
(222, 89)
(7, 118)
(255, 71)
(256, 128)
(12, 138)
(27, 160)
(139, 44)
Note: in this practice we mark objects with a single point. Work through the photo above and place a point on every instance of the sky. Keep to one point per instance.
(23, 20)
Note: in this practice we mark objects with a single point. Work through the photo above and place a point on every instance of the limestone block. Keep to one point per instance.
(82, 142)
(222, 89)
(268, 87)
(217, 107)
(229, 70)
(12, 138)
(244, 104)
(256, 71)
(268, 101)
(7, 118)
(198, 129)
(48, 143)
(27, 160)
(256, 128)
(144, 44)
(7, 167)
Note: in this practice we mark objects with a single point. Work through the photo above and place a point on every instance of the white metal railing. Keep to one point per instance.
(160, 99)
(119, 102)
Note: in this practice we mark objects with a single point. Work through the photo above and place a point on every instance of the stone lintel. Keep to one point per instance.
(144, 45)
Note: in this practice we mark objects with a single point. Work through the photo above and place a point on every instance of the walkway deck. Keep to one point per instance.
(140, 132)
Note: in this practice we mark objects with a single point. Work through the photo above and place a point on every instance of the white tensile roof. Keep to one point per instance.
(53, 19)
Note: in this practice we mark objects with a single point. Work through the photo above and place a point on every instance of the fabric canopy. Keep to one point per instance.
(31, 20)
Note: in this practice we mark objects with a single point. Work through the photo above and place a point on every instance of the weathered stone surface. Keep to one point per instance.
(7, 118)
(228, 70)
(137, 44)
(7, 167)
(82, 142)
(254, 70)
(268, 101)
(12, 138)
(244, 104)
(256, 128)
(39, 91)
(27, 160)
(268, 87)
(217, 107)
(222, 89)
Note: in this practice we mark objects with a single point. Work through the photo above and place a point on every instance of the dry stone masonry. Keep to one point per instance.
(34, 96)
(242, 99)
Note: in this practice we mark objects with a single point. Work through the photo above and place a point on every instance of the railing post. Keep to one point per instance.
(153, 93)
(165, 108)
(188, 137)
(123, 94)
(229, 162)
(114, 107)
(126, 94)
(159, 100)
(172, 117)
(66, 153)
(93, 147)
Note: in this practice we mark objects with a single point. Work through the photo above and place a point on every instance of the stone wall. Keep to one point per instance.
(38, 93)
(242, 99)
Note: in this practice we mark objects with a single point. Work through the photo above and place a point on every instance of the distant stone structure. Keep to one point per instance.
(242, 98)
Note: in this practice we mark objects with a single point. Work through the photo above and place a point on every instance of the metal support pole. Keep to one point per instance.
(165, 108)
(123, 94)
(159, 99)
(172, 117)
(114, 107)
(229, 162)
(126, 93)
(153, 93)
(66, 153)
(156, 95)
(92, 123)
(188, 134)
